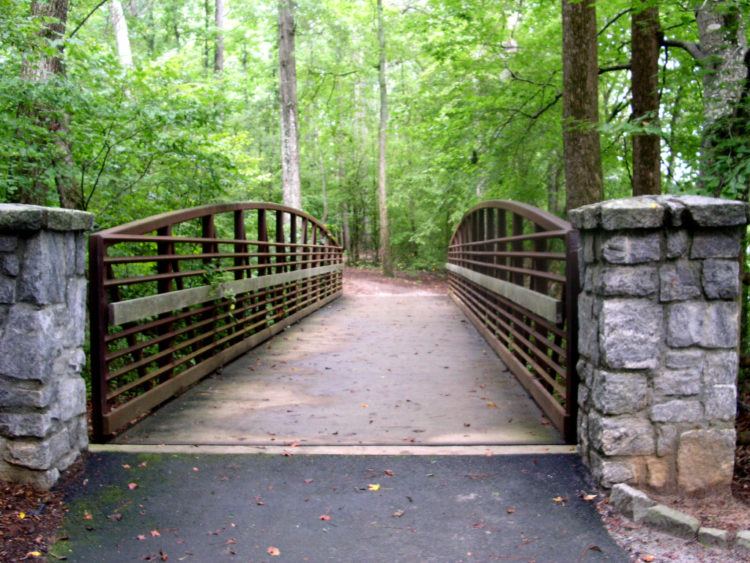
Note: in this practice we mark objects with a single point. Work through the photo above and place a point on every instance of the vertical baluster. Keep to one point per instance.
(263, 257)
(164, 248)
(280, 260)
(98, 331)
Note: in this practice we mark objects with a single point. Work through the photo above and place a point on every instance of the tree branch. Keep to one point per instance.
(613, 68)
(613, 20)
(84, 20)
(693, 48)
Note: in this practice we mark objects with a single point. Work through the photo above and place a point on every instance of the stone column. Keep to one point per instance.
(658, 340)
(42, 323)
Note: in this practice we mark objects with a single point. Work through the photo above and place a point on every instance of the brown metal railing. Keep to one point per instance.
(513, 270)
(178, 295)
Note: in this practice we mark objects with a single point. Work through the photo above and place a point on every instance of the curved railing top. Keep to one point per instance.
(149, 224)
(544, 219)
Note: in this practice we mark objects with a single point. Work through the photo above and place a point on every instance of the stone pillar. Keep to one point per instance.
(42, 323)
(658, 340)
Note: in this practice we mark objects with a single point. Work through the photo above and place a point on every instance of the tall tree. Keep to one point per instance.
(290, 173)
(219, 41)
(122, 39)
(644, 72)
(385, 239)
(723, 55)
(582, 152)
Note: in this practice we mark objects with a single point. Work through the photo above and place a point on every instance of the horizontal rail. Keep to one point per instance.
(539, 303)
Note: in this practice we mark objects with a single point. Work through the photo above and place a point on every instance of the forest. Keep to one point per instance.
(405, 110)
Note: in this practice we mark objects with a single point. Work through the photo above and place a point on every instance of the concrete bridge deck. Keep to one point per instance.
(377, 367)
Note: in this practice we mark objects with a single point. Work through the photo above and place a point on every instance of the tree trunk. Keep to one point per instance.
(582, 153)
(219, 43)
(120, 26)
(385, 243)
(721, 30)
(52, 121)
(290, 173)
(644, 69)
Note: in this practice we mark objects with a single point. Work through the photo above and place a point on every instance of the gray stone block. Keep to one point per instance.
(9, 265)
(631, 333)
(677, 411)
(721, 402)
(19, 393)
(684, 359)
(743, 539)
(721, 279)
(631, 213)
(678, 382)
(8, 243)
(7, 290)
(709, 324)
(619, 393)
(71, 398)
(609, 472)
(714, 212)
(43, 273)
(716, 244)
(631, 248)
(629, 501)
(588, 328)
(666, 439)
(677, 243)
(76, 311)
(671, 521)
(713, 537)
(637, 281)
(679, 281)
(39, 454)
(586, 217)
(721, 367)
(622, 435)
(36, 424)
(17, 218)
(29, 343)
(43, 480)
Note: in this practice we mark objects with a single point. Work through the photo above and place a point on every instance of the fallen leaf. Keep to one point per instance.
(115, 517)
(648, 558)
(196, 469)
(87, 515)
(21, 515)
(142, 464)
(510, 509)
(588, 498)
(373, 487)
(273, 551)
(231, 541)
(559, 500)
(132, 486)
(155, 533)
(363, 405)
(163, 556)
(140, 537)
(388, 472)
(398, 513)
(308, 481)
(325, 517)
(126, 466)
(259, 501)
(33, 554)
(491, 404)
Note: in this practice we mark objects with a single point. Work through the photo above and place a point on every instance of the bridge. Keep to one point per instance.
(198, 337)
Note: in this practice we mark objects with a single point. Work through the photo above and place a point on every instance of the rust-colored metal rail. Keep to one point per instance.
(513, 270)
(177, 295)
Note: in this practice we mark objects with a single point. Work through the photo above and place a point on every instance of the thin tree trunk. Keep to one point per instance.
(219, 42)
(582, 152)
(290, 173)
(385, 243)
(120, 26)
(206, 32)
(644, 69)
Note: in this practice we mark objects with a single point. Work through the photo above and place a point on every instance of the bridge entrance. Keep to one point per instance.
(182, 295)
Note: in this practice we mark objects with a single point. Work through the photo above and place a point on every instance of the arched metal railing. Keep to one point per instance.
(178, 295)
(513, 269)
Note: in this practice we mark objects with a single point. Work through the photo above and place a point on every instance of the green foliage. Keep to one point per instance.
(475, 112)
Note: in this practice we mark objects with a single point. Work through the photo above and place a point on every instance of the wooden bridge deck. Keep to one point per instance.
(387, 369)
